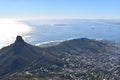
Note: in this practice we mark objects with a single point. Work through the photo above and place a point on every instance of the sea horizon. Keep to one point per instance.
(47, 30)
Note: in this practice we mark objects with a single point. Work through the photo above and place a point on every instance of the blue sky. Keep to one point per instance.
(93, 9)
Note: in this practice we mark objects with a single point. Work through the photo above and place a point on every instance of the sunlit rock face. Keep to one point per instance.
(10, 28)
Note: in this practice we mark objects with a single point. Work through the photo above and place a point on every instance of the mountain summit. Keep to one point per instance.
(19, 42)
(19, 39)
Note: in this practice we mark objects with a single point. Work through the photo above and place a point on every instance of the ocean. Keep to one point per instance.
(38, 31)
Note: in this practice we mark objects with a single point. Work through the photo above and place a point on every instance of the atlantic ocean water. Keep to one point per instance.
(39, 31)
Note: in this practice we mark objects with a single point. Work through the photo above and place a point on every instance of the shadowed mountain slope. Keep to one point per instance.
(21, 55)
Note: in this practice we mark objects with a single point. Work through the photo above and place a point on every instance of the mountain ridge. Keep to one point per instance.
(18, 55)
(21, 56)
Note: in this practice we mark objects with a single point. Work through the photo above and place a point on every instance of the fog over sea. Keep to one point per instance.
(38, 31)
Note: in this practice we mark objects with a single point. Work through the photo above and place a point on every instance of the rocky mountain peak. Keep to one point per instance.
(19, 39)
(19, 42)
